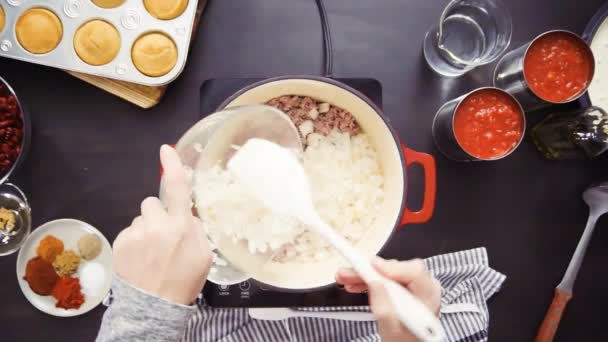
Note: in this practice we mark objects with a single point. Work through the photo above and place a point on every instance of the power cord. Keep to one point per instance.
(328, 53)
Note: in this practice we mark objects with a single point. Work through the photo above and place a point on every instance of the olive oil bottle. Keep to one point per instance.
(580, 134)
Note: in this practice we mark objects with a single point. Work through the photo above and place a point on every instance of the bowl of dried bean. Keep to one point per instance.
(14, 131)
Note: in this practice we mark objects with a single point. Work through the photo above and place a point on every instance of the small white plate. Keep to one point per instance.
(69, 231)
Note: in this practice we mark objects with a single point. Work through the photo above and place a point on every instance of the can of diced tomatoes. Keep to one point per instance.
(484, 125)
(555, 67)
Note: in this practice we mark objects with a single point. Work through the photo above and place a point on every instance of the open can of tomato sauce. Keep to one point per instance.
(485, 124)
(555, 67)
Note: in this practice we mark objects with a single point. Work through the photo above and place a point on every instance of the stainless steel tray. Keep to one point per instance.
(131, 19)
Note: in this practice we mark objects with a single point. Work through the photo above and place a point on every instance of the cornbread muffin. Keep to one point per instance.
(154, 54)
(97, 42)
(38, 30)
(165, 9)
(2, 18)
(108, 3)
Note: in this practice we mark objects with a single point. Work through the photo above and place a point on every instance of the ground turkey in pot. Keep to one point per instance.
(310, 115)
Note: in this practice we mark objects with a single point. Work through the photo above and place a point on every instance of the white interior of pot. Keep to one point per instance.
(299, 275)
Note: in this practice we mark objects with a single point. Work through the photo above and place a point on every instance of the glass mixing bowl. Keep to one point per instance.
(213, 140)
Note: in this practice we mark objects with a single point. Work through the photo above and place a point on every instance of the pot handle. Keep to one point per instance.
(430, 186)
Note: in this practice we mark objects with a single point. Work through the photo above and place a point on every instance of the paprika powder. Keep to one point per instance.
(41, 276)
(68, 294)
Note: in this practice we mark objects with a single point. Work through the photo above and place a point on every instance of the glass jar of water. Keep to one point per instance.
(468, 34)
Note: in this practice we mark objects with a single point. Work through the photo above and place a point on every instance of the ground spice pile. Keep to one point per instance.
(89, 246)
(41, 276)
(68, 294)
(7, 220)
(49, 248)
(66, 263)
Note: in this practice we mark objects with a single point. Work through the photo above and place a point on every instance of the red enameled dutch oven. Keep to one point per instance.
(394, 157)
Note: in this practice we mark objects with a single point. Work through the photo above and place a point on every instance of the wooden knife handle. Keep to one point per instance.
(554, 315)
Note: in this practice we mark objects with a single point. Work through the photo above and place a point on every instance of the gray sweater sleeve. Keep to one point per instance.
(138, 316)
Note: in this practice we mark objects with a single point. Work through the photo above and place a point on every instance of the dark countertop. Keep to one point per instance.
(527, 211)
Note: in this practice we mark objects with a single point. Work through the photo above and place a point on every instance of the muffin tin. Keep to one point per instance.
(131, 19)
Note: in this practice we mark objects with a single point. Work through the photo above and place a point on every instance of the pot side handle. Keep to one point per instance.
(430, 186)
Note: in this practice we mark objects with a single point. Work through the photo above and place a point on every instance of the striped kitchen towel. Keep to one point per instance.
(467, 283)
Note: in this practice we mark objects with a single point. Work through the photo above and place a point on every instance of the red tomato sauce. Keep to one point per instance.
(558, 67)
(488, 124)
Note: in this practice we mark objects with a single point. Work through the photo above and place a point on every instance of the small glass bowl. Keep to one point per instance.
(15, 201)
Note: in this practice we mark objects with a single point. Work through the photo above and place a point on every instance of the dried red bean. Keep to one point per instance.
(11, 131)
(6, 123)
(12, 109)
